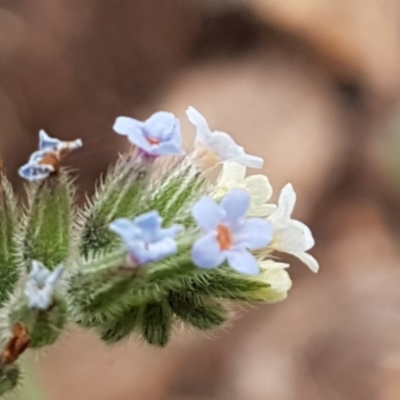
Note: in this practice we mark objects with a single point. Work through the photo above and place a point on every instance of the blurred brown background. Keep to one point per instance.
(311, 85)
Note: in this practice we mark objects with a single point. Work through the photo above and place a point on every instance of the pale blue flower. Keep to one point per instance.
(228, 234)
(159, 135)
(146, 240)
(46, 160)
(40, 285)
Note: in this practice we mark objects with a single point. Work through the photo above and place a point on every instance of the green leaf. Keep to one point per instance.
(203, 313)
(222, 283)
(9, 262)
(121, 327)
(155, 323)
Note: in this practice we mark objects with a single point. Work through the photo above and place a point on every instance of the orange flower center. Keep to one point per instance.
(51, 159)
(152, 140)
(224, 237)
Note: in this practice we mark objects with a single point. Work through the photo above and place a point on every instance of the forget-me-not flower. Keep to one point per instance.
(228, 234)
(145, 238)
(40, 285)
(46, 160)
(160, 135)
(219, 146)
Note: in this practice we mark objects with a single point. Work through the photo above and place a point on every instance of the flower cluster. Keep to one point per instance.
(152, 246)
(227, 235)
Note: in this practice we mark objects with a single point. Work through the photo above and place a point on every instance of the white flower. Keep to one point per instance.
(291, 236)
(218, 146)
(233, 176)
(278, 282)
(275, 274)
(40, 285)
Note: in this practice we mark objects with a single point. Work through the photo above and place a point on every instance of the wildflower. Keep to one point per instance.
(146, 240)
(291, 236)
(157, 136)
(40, 285)
(47, 159)
(233, 175)
(228, 234)
(215, 147)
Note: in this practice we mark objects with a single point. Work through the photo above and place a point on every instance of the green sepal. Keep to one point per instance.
(118, 329)
(9, 260)
(155, 323)
(198, 311)
(47, 223)
(116, 196)
(44, 326)
(10, 377)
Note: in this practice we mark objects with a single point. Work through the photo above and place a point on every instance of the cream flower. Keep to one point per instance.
(275, 275)
(233, 176)
(215, 146)
(291, 236)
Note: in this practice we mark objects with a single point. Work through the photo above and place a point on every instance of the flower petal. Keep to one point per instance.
(287, 200)
(249, 160)
(54, 276)
(161, 125)
(236, 204)
(125, 126)
(232, 175)
(206, 252)
(278, 279)
(254, 234)
(264, 210)
(271, 264)
(137, 138)
(259, 188)
(291, 237)
(46, 142)
(243, 262)
(34, 172)
(309, 260)
(222, 144)
(167, 148)
(207, 213)
(197, 119)
(124, 228)
(39, 272)
(150, 221)
(146, 253)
